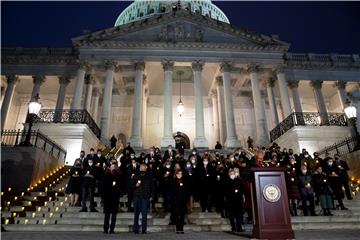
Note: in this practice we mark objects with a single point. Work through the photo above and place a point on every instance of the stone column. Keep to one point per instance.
(136, 134)
(270, 84)
(38, 81)
(200, 140)
(89, 82)
(79, 85)
(221, 108)
(285, 100)
(95, 104)
(167, 138)
(106, 104)
(231, 137)
(12, 80)
(260, 120)
(144, 106)
(341, 92)
(319, 98)
(215, 111)
(294, 87)
(64, 82)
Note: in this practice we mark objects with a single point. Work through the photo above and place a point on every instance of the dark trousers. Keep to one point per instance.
(106, 221)
(205, 201)
(87, 192)
(140, 206)
(179, 221)
(345, 183)
(130, 192)
(304, 199)
(236, 219)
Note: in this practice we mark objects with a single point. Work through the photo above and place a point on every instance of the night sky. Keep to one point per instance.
(317, 27)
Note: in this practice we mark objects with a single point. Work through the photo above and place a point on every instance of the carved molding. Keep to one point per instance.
(38, 79)
(12, 79)
(225, 67)
(168, 65)
(219, 81)
(293, 83)
(340, 84)
(253, 68)
(139, 65)
(316, 84)
(270, 82)
(197, 65)
(64, 80)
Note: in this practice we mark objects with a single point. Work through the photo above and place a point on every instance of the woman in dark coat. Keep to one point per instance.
(180, 198)
(74, 184)
(322, 188)
(292, 186)
(113, 188)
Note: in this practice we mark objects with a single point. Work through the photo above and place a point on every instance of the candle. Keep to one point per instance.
(308, 184)
(218, 177)
(76, 173)
(114, 183)
(292, 179)
(139, 181)
(293, 169)
(236, 190)
(207, 175)
(324, 180)
(190, 174)
(219, 163)
(305, 163)
(167, 172)
(88, 172)
(181, 184)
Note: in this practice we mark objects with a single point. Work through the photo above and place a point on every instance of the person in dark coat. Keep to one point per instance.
(169, 153)
(74, 184)
(292, 185)
(143, 191)
(234, 191)
(206, 176)
(322, 188)
(306, 185)
(113, 141)
(91, 155)
(343, 175)
(113, 188)
(218, 146)
(129, 149)
(88, 186)
(132, 169)
(180, 197)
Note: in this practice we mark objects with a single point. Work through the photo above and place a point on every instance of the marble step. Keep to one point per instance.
(326, 225)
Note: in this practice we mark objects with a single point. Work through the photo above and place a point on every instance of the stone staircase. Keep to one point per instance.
(50, 211)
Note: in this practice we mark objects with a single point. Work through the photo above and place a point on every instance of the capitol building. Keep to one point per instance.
(180, 70)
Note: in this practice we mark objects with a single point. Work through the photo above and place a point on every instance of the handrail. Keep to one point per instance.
(13, 138)
(68, 116)
(347, 145)
(307, 119)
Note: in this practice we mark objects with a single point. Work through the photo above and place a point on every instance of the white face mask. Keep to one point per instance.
(232, 176)
(91, 152)
(146, 161)
(90, 164)
(168, 166)
(206, 162)
(237, 174)
(304, 172)
(179, 176)
(99, 154)
(132, 156)
(193, 161)
(330, 163)
(134, 164)
(113, 167)
(193, 152)
(188, 165)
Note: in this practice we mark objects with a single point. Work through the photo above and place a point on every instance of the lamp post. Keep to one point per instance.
(34, 109)
(350, 112)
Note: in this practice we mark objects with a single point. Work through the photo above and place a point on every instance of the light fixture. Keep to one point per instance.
(34, 109)
(180, 106)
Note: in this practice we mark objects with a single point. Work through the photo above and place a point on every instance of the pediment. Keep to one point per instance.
(180, 27)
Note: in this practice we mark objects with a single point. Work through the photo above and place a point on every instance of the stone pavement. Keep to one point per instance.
(308, 234)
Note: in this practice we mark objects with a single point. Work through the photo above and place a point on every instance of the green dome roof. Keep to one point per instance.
(141, 9)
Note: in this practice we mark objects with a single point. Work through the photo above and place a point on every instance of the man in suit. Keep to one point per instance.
(169, 153)
(88, 186)
(344, 177)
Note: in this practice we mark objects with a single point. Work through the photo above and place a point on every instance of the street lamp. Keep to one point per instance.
(34, 109)
(350, 112)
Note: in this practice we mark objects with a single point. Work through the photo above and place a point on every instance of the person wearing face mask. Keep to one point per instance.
(169, 153)
(218, 192)
(206, 176)
(88, 186)
(113, 188)
(332, 170)
(343, 175)
(292, 185)
(132, 169)
(129, 149)
(74, 185)
(179, 200)
(99, 162)
(190, 176)
(143, 192)
(91, 155)
(194, 154)
(167, 174)
(81, 159)
(322, 189)
(234, 191)
(306, 185)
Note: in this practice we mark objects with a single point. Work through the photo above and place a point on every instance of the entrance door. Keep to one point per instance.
(182, 138)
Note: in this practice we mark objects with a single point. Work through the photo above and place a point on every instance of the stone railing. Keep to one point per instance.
(68, 116)
(12, 138)
(321, 60)
(347, 145)
(307, 119)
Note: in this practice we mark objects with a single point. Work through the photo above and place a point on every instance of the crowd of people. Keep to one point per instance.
(219, 181)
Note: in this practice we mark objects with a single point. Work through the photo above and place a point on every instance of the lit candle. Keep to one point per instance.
(236, 190)
(114, 183)
(278, 164)
(324, 180)
(219, 163)
(167, 172)
(305, 163)
(139, 181)
(76, 173)
(308, 184)
(218, 177)
(181, 184)
(190, 174)
(207, 175)
(88, 172)
(293, 169)
(26, 221)
(292, 179)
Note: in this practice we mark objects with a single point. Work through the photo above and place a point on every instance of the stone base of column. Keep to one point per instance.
(166, 141)
(201, 142)
(232, 143)
(136, 142)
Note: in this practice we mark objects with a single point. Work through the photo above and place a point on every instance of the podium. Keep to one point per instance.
(270, 204)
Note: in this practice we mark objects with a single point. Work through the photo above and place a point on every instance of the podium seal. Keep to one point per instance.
(271, 192)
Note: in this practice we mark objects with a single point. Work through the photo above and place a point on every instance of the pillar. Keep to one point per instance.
(144, 105)
(294, 87)
(341, 85)
(95, 104)
(221, 108)
(200, 140)
(63, 81)
(320, 102)
(270, 84)
(136, 134)
(167, 138)
(285, 100)
(215, 113)
(38, 81)
(89, 83)
(79, 85)
(231, 137)
(260, 120)
(12, 80)
(106, 103)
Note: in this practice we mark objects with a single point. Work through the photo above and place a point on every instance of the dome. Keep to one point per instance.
(141, 9)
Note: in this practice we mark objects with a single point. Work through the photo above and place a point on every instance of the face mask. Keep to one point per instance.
(99, 154)
(178, 176)
(188, 165)
(206, 162)
(193, 161)
(151, 152)
(90, 164)
(113, 167)
(168, 166)
(170, 149)
(306, 155)
(91, 152)
(304, 171)
(232, 176)
(146, 161)
(132, 156)
(330, 163)
(237, 174)
(193, 152)
(134, 164)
